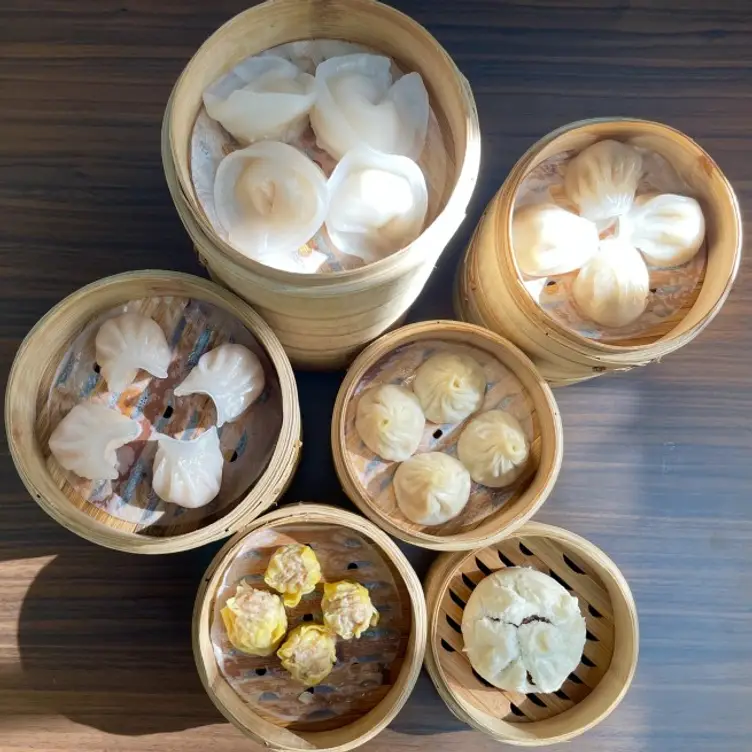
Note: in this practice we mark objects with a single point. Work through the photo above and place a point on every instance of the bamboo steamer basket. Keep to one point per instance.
(340, 714)
(29, 418)
(490, 514)
(489, 291)
(593, 689)
(306, 310)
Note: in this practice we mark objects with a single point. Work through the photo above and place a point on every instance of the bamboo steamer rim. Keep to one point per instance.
(366, 727)
(599, 703)
(29, 458)
(501, 215)
(487, 531)
(464, 183)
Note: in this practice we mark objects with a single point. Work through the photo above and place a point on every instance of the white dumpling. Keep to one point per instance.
(231, 375)
(377, 203)
(265, 97)
(431, 488)
(127, 343)
(668, 229)
(272, 199)
(390, 421)
(613, 287)
(188, 473)
(449, 387)
(494, 449)
(87, 439)
(523, 631)
(602, 179)
(358, 105)
(549, 240)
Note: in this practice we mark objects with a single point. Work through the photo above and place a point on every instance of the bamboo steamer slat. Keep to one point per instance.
(368, 549)
(489, 290)
(306, 310)
(609, 659)
(31, 378)
(486, 520)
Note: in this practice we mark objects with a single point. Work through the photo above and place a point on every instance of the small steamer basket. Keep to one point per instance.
(374, 674)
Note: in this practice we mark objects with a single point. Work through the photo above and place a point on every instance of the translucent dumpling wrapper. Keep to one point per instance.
(431, 488)
(359, 104)
(87, 439)
(390, 421)
(127, 343)
(309, 653)
(231, 375)
(449, 387)
(255, 620)
(347, 609)
(668, 229)
(613, 287)
(494, 449)
(293, 571)
(377, 203)
(271, 199)
(602, 179)
(188, 473)
(266, 97)
(549, 240)
(523, 631)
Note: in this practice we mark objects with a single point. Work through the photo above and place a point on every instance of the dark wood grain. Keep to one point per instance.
(95, 645)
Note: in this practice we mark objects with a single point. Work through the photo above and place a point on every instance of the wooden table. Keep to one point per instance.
(94, 645)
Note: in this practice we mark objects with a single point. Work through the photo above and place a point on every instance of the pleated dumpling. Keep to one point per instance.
(265, 97)
(271, 200)
(127, 343)
(602, 179)
(293, 571)
(231, 375)
(347, 609)
(87, 439)
(255, 620)
(359, 104)
(377, 203)
(188, 473)
(309, 653)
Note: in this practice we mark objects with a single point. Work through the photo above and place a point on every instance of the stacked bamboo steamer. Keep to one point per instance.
(489, 289)
(306, 310)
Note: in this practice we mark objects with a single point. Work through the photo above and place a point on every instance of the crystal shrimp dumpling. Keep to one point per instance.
(293, 571)
(255, 620)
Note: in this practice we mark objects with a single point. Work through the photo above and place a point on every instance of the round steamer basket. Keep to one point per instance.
(513, 384)
(608, 662)
(306, 310)
(55, 369)
(489, 290)
(374, 674)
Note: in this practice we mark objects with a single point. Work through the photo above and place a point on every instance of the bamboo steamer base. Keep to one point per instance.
(515, 386)
(374, 675)
(609, 659)
(33, 409)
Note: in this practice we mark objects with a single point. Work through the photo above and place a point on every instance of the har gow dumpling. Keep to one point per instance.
(494, 449)
(377, 203)
(449, 387)
(668, 229)
(87, 438)
(549, 240)
(602, 179)
(188, 473)
(231, 375)
(271, 199)
(432, 488)
(265, 97)
(390, 421)
(358, 104)
(127, 343)
(612, 288)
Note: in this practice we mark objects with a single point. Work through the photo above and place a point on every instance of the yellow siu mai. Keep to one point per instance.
(309, 653)
(347, 609)
(293, 571)
(255, 620)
